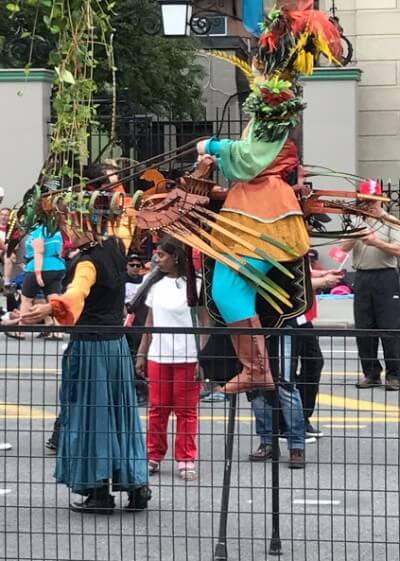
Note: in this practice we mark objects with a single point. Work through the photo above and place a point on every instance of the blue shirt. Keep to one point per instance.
(52, 260)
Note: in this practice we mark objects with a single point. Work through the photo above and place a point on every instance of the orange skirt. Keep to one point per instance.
(290, 231)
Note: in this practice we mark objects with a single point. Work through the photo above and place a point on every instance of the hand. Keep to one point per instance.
(333, 279)
(205, 157)
(334, 272)
(140, 366)
(39, 279)
(198, 373)
(370, 239)
(36, 313)
(200, 147)
(376, 210)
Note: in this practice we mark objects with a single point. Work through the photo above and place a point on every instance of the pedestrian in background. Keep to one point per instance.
(377, 297)
(171, 363)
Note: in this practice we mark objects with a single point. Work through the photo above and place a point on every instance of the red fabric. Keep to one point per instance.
(67, 244)
(196, 260)
(370, 187)
(172, 387)
(312, 312)
(338, 254)
(317, 23)
(130, 318)
(61, 310)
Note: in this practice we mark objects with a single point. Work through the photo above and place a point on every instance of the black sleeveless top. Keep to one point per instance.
(105, 303)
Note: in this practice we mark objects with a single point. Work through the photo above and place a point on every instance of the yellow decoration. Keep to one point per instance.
(304, 59)
(236, 61)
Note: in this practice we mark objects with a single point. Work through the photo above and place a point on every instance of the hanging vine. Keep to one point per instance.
(80, 28)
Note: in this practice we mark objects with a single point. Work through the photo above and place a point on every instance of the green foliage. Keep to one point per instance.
(159, 74)
(272, 122)
(155, 73)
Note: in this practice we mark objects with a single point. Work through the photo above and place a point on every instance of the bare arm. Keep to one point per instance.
(329, 279)
(146, 337)
(67, 307)
(348, 245)
(204, 321)
(38, 252)
(388, 247)
(144, 346)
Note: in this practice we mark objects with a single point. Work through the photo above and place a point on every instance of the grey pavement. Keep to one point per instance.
(343, 507)
(335, 312)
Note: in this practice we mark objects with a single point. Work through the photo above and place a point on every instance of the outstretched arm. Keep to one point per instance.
(67, 307)
(241, 160)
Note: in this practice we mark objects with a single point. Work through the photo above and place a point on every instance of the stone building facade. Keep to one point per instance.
(374, 29)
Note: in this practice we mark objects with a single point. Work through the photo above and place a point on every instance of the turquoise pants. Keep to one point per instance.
(232, 294)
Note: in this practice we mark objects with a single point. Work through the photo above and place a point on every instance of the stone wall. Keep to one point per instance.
(374, 29)
(24, 118)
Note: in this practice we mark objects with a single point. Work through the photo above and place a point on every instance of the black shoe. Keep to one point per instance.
(138, 499)
(311, 431)
(51, 446)
(262, 454)
(297, 459)
(369, 383)
(98, 502)
(392, 385)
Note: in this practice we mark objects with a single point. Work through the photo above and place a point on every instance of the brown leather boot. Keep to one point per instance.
(252, 353)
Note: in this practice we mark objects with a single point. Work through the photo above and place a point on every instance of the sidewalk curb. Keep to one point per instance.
(332, 324)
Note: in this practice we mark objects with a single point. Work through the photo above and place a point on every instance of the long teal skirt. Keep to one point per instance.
(101, 436)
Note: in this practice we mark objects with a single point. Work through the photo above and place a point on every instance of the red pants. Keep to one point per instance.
(172, 387)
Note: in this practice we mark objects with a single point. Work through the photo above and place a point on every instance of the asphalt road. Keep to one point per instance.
(344, 506)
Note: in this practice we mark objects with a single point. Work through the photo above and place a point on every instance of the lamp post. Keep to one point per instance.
(176, 17)
(181, 18)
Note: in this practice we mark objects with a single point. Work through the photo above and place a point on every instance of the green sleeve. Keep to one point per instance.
(243, 160)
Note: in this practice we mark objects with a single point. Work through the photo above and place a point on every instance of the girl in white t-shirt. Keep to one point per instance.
(171, 363)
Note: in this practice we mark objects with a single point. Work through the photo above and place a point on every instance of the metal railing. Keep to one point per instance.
(343, 506)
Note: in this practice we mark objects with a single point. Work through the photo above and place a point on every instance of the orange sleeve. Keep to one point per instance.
(124, 228)
(68, 306)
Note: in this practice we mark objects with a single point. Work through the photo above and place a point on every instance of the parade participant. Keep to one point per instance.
(266, 203)
(260, 199)
(100, 436)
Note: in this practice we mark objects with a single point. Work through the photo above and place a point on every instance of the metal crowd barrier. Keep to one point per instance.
(344, 506)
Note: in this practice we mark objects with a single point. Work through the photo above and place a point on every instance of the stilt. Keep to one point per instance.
(221, 551)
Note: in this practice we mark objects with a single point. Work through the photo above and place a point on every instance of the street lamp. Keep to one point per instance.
(181, 18)
(176, 17)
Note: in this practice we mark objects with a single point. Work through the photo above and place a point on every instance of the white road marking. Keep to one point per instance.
(5, 491)
(345, 426)
(323, 502)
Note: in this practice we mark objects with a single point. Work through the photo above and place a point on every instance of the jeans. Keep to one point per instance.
(289, 399)
(292, 411)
